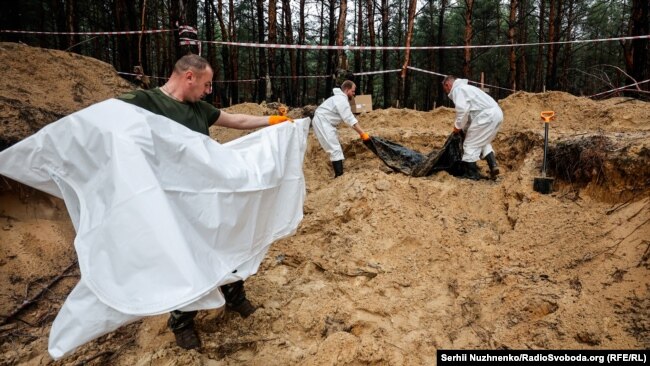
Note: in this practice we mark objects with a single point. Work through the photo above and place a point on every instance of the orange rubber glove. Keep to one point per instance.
(274, 120)
(365, 136)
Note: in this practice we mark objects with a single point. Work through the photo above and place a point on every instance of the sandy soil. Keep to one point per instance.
(384, 269)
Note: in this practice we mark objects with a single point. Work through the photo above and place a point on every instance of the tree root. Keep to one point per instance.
(35, 298)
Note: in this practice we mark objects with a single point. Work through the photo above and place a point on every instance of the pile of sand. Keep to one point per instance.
(384, 269)
(43, 85)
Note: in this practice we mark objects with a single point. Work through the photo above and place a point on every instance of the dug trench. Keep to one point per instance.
(613, 168)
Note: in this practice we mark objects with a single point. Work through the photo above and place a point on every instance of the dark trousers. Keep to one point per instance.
(233, 292)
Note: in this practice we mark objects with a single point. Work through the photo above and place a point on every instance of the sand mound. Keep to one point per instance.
(43, 85)
(384, 269)
(575, 113)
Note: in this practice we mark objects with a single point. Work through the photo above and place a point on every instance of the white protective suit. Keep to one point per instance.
(163, 214)
(328, 115)
(479, 115)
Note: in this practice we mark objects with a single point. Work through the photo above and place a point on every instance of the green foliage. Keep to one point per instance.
(582, 68)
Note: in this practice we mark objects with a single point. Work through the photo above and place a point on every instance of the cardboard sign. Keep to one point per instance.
(361, 104)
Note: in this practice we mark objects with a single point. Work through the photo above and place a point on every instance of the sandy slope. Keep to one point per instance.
(385, 269)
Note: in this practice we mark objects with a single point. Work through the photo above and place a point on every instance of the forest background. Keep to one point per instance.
(296, 51)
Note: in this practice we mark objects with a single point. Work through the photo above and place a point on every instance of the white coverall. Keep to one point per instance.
(479, 115)
(328, 115)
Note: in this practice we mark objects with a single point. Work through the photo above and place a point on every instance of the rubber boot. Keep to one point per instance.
(471, 171)
(492, 163)
(338, 168)
(236, 300)
(182, 324)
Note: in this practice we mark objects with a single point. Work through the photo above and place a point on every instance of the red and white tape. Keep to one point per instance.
(132, 74)
(191, 42)
(237, 81)
(425, 71)
(186, 29)
(375, 72)
(149, 31)
(473, 82)
(298, 77)
(378, 48)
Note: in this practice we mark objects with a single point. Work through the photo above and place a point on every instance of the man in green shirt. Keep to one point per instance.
(180, 99)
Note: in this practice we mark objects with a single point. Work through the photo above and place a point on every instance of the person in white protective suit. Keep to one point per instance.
(329, 115)
(480, 117)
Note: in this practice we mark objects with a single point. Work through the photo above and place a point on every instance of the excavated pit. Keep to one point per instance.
(612, 169)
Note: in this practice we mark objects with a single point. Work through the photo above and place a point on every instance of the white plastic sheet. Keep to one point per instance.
(164, 215)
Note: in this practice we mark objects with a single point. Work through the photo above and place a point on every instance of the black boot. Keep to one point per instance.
(338, 168)
(236, 299)
(471, 171)
(182, 324)
(492, 163)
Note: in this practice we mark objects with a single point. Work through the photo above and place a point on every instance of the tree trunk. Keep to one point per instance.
(441, 53)
(319, 63)
(290, 93)
(384, 53)
(302, 62)
(551, 67)
(331, 54)
(210, 49)
(512, 39)
(340, 33)
(539, 68)
(191, 12)
(72, 23)
(261, 53)
(565, 83)
(399, 95)
(467, 55)
(358, 61)
(370, 7)
(176, 17)
(273, 39)
(234, 54)
(123, 17)
(430, 86)
(636, 50)
(407, 53)
(224, 90)
(522, 72)
(60, 23)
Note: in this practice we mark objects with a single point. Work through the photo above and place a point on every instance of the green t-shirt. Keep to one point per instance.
(197, 116)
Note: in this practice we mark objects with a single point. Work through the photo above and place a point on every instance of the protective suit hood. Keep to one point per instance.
(338, 91)
(458, 82)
